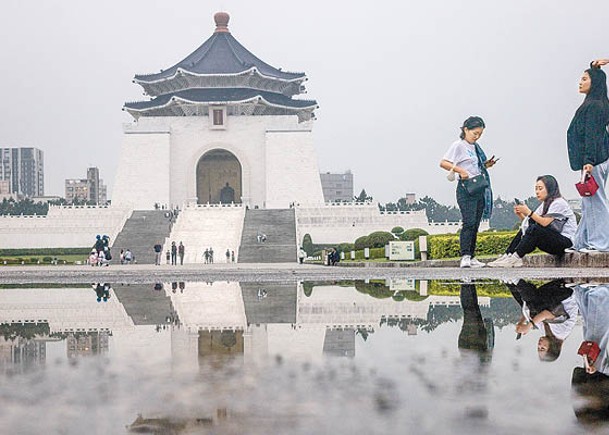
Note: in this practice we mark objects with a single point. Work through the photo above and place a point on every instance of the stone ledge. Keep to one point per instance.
(572, 260)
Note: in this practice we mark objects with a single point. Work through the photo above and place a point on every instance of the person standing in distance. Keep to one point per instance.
(466, 159)
(588, 147)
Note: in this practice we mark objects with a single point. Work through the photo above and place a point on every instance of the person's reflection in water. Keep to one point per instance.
(592, 386)
(476, 343)
(477, 334)
(102, 291)
(551, 308)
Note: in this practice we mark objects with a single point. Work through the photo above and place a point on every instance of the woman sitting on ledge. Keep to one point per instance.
(551, 227)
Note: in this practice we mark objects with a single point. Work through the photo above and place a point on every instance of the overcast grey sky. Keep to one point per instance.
(394, 79)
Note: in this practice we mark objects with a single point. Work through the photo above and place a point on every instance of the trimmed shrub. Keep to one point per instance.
(361, 243)
(307, 244)
(413, 234)
(379, 239)
(374, 288)
(397, 230)
(346, 247)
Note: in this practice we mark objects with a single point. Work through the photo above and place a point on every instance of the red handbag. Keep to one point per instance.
(587, 186)
(589, 350)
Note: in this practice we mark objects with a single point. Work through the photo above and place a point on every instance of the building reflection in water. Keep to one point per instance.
(228, 320)
(201, 327)
(591, 387)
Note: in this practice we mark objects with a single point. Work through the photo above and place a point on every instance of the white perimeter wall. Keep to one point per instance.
(62, 227)
(345, 222)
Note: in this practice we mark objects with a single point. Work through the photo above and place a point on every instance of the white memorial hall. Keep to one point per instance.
(227, 139)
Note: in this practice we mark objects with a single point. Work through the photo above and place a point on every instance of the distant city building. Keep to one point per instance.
(5, 189)
(89, 189)
(410, 198)
(23, 168)
(337, 187)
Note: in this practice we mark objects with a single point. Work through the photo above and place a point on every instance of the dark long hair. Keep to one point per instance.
(598, 86)
(598, 92)
(553, 191)
(475, 122)
(554, 345)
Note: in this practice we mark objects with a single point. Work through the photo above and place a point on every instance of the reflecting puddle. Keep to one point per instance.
(313, 357)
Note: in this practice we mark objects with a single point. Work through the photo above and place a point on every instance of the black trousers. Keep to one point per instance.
(471, 207)
(540, 237)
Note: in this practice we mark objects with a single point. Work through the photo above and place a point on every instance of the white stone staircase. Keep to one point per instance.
(201, 226)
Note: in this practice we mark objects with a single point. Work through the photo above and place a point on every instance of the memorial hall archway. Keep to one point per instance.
(219, 177)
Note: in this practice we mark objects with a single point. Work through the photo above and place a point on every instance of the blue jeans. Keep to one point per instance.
(471, 207)
(593, 229)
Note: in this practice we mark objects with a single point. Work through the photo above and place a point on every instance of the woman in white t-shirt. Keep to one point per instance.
(466, 158)
(536, 230)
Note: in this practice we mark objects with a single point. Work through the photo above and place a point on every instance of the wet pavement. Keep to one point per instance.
(401, 354)
(287, 272)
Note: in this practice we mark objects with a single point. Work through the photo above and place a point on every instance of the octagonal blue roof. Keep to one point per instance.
(221, 54)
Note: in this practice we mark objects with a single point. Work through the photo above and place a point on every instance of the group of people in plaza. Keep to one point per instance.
(126, 256)
(208, 256)
(176, 253)
(172, 255)
(552, 226)
(100, 254)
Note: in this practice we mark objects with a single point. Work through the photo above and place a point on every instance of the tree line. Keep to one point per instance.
(27, 207)
(503, 217)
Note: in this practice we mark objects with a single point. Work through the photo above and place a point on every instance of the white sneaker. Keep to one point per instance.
(513, 261)
(570, 250)
(499, 262)
(474, 262)
(466, 261)
(588, 250)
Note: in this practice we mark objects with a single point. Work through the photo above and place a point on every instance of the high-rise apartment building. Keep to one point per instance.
(90, 189)
(23, 168)
(337, 187)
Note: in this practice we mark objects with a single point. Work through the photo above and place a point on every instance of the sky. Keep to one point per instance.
(394, 80)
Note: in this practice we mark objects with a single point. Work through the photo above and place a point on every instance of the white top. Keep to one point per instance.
(560, 206)
(563, 329)
(463, 154)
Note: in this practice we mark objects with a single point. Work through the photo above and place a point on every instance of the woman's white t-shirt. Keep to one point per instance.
(561, 207)
(463, 154)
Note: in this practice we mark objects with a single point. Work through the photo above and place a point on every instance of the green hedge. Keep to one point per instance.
(374, 254)
(447, 246)
(44, 252)
(413, 234)
(487, 288)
